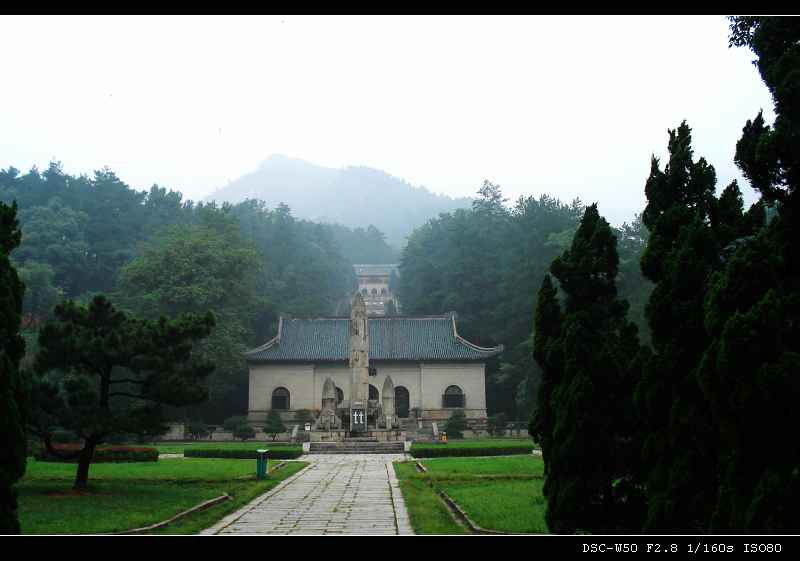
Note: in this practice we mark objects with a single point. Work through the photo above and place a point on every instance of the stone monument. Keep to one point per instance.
(388, 418)
(359, 366)
(328, 420)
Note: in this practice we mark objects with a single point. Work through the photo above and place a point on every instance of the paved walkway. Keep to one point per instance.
(336, 494)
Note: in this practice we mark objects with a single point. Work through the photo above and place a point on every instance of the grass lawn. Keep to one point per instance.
(473, 447)
(179, 447)
(130, 495)
(502, 493)
(505, 505)
(427, 512)
(505, 466)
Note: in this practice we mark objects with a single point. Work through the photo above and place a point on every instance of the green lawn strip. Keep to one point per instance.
(184, 469)
(503, 494)
(502, 466)
(52, 507)
(514, 506)
(127, 496)
(426, 511)
(241, 493)
(473, 447)
(179, 447)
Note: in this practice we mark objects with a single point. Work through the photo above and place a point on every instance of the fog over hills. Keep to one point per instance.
(354, 196)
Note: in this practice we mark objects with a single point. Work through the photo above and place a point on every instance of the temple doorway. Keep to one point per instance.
(401, 402)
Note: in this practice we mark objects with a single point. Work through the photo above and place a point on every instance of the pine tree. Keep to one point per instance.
(586, 423)
(103, 373)
(13, 444)
(274, 424)
(750, 371)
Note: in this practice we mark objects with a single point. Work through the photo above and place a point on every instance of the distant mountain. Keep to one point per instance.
(352, 196)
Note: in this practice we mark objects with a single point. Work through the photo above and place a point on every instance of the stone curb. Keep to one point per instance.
(401, 518)
(197, 508)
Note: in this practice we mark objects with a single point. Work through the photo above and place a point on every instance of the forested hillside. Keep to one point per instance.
(155, 253)
(482, 262)
(356, 197)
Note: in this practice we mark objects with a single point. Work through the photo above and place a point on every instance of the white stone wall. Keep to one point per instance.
(425, 383)
(265, 378)
(468, 376)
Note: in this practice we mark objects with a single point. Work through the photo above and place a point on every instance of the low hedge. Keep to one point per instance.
(102, 454)
(455, 451)
(232, 453)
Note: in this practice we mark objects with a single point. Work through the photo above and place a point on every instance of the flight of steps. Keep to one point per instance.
(358, 445)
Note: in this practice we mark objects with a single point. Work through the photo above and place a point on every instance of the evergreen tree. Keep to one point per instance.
(274, 424)
(683, 249)
(586, 423)
(103, 374)
(749, 372)
(455, 425)
(197, 430)
(13, 444)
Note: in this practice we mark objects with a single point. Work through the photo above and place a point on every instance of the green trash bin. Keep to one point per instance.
(262, 464)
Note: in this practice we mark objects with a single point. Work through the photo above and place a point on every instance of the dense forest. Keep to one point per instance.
(683, 434)
(657, 362)
(352, 196)
(154, 253)
(481, 263)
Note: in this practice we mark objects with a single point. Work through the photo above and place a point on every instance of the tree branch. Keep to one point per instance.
(125, 394)
(127, 380)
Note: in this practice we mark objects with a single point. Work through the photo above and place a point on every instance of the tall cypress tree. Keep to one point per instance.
(586, 421)
(13, 445)
(690, 231)
(750, 371)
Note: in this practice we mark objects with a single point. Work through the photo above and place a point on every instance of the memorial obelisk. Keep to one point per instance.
(359, 365)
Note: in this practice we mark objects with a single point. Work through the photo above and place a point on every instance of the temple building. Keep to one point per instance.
(376, 287)
(368, 373)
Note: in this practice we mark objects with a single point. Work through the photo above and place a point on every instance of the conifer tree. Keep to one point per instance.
(274, 424)
(690, 233)
(750, 371)
(13, 444)
(103, 373)
(586, 423)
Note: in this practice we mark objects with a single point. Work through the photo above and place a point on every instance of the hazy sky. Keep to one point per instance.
(564, 105)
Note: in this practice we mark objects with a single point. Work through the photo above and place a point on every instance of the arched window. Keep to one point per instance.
(401, 401)
(374, 291)
(339, 396)
(373, 392)
(364, 291)
(453, 397)
(280, 399)
(383, 291)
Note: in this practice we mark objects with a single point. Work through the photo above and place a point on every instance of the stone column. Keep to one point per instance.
(359, 365)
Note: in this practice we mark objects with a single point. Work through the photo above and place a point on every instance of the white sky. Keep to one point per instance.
(562, 105)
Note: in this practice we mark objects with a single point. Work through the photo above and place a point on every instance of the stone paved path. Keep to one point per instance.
(336, 494)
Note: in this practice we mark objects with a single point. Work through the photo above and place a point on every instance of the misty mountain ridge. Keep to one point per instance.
(353, 196)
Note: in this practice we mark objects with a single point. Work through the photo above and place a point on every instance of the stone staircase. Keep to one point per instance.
(358, 446)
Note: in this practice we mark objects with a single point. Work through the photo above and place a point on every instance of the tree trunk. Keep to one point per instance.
(84, 461)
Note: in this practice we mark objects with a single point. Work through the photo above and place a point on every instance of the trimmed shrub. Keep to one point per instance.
(64, 436)
(244, 432)
(103, 454)
(232, 423)
(274, 424)
(197, 429)
(445, 450)
(233, 454)
(455, 425)
(496, 425)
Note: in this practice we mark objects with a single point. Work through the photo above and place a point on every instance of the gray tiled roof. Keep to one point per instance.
(396, 338)
(368, 269)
